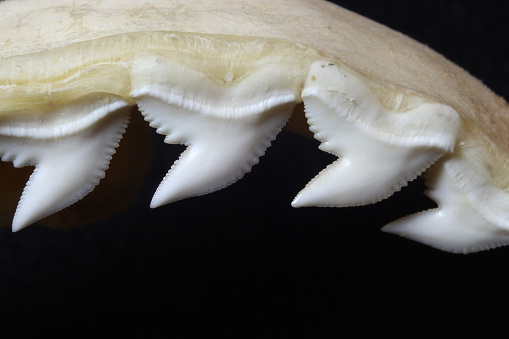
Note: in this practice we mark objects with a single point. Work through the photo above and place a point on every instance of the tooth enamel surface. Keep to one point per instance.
(222, 77)
(468, 217)
(220, 150)
(381, 145)
(70, 159)
(227, 116)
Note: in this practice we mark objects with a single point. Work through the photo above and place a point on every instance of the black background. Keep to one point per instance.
(242, 262)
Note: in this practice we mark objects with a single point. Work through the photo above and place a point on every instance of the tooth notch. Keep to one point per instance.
(383, 138)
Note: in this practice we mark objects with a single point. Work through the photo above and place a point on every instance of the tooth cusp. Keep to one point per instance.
(464, 220)
(220, 151)
(381, 145)
(68, 166)
(226, 127)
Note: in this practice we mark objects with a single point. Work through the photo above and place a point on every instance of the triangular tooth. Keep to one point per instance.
(227, 112)
(450, 229)
(368, 169)
(220, 150)
(67, 167)
(455, 226)
(381, 146)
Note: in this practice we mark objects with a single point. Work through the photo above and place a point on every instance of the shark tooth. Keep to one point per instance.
(222, 77)
(226, 128)
(460, 223)
(70, 155)
(381, 145)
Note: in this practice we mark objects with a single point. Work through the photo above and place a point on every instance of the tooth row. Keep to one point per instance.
(383, 139)
(226, 124)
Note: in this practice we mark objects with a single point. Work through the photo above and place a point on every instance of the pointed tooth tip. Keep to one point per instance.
(295, 203)
(316, 194)
(18, 225)
(299, 201)
(155, 203)
(399, 228)
(164, 198)
(448, 231)
(310, 197)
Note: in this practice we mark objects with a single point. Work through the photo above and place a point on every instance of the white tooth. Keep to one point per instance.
(70, 158)
(459, 224)
(220, 151)
(356, 121)
(225, 126)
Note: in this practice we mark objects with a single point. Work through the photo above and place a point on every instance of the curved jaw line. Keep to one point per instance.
(228, 115)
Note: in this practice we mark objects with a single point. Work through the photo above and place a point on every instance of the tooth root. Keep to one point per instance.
(381, 146)
(220, 151)
(67, 167)
(456, 225)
